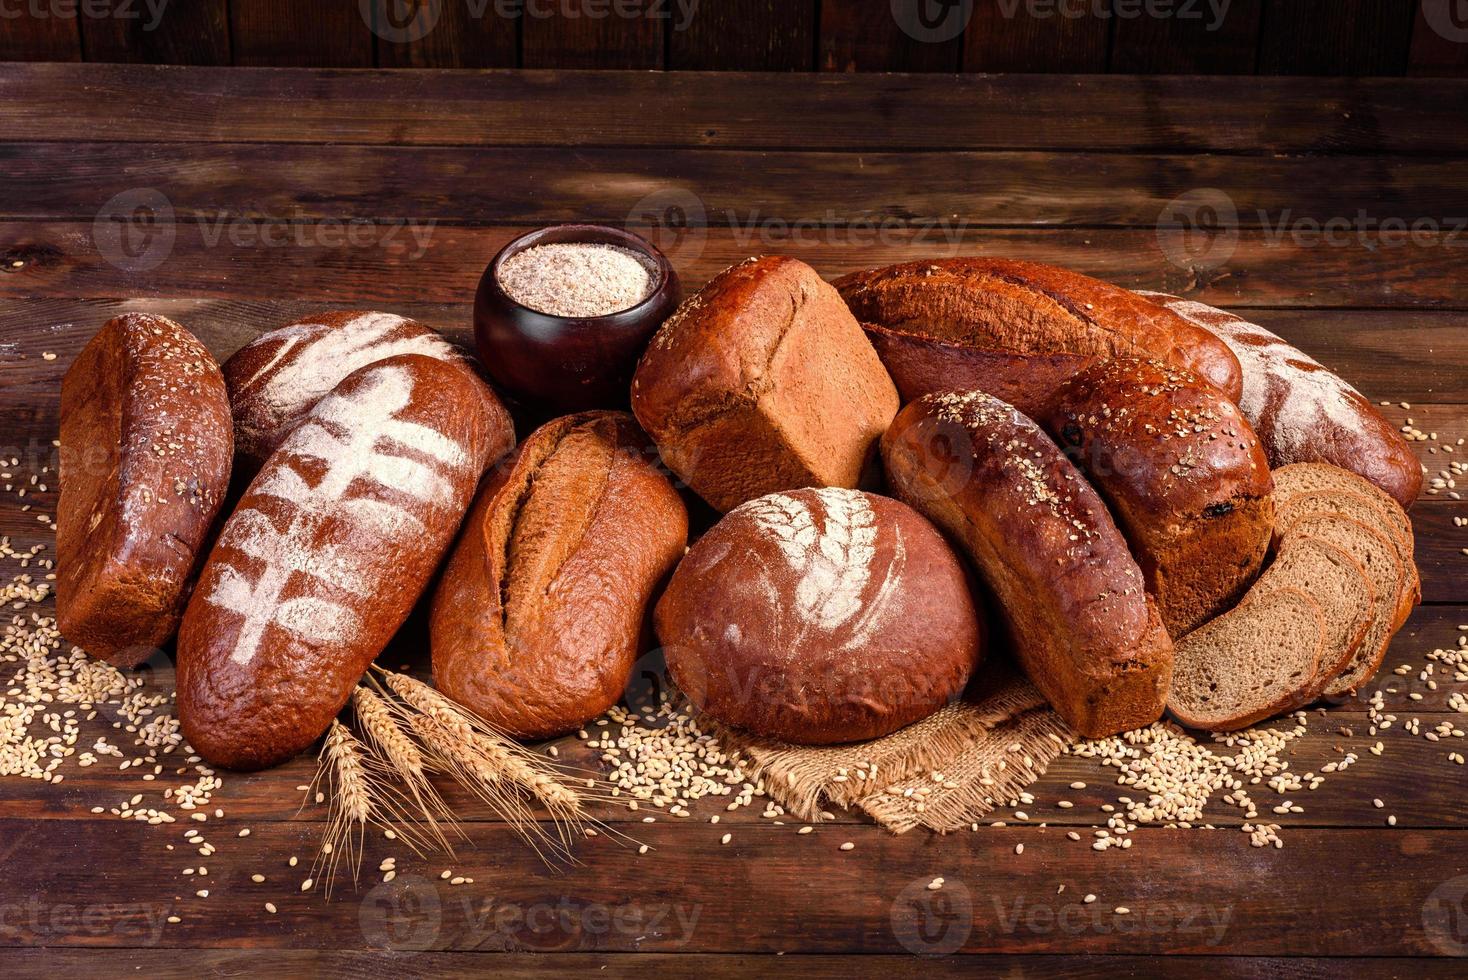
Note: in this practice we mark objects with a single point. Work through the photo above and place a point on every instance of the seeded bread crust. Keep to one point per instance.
(1067, 588)
(1183, 474)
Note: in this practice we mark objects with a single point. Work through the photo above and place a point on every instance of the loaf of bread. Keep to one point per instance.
(956, 324)
(1183, 474)
(1066, 587)
(146, 446)
(539, 617)
(275, 379)
(763, 382)
(820, 616)
(326, 554)
(1302, 412)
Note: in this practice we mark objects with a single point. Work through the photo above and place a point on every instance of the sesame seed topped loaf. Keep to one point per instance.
(958, 324)
(820, 616)
(1070, 594)
(1248, 664)
(1303, 412)
(763, 382)
(1183, 474)
(275, 379)
(146, 445)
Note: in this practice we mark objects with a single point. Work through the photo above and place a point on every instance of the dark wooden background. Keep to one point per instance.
(1270, 37)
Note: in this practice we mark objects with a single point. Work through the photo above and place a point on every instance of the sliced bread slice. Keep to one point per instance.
(1305, 477)
(1292, 507)
(1342, 589)
(1248, 664)
(1378, 557)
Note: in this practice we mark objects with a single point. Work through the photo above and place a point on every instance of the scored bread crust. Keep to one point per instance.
(1069, 591)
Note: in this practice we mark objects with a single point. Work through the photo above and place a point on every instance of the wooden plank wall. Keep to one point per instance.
(1273, 37)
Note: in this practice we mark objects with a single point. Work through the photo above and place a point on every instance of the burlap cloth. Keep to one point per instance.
(943, 773)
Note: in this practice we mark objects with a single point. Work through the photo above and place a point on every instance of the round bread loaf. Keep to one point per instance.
(820, 616)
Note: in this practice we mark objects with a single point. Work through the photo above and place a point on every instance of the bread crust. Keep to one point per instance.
(146, 445)
(763, 382)
(820, 616)
(1072, 598)
(538, 619)
(1184, 476)
(942, 314)
(325, 556)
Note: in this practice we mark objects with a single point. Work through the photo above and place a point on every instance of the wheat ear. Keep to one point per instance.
(379, 722)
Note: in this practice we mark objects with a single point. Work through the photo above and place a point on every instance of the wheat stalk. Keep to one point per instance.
(378, 720)
(352, 799)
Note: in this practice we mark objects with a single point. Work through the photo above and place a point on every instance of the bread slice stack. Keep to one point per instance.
(1319, 620)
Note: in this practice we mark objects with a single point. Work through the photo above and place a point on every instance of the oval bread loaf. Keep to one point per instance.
(820, 616)
(538, 619)
(146, 445)
(1066, 586)
(326, 554)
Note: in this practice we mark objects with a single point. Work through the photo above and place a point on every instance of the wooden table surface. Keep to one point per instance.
(234, 199)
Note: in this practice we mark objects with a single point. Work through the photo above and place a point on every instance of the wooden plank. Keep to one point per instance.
(446, 34)
(1439, 40)
(194, 33)
(282, 32)
(566, 37)
(36, 33)
(744, 111)
(857, 35)
(965, 190)
(1014, 36)
(375, 261)
(1335, 37)
(1193, 39)
(756, 35)
(1187, 892)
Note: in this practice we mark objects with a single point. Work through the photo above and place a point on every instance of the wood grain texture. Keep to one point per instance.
(1194, 39)
(753, 35)
(37, 34)
(283, 32)
(858, 35)
(1335, 37)
(565, 36)
(195, 33)
(741, 111)
(1036, 37)
(1439, 40)
(449, 35)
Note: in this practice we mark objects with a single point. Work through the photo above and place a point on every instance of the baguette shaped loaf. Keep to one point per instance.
(146, 446)
(947, 324)
(1064, 583)
(763, 382)
(1183, 474)
(275, 379)
(325, 555)
(1303, 412)
(539, 617)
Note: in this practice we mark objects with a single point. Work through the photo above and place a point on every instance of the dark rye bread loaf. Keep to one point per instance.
(539, 616)
(1303, 412)
(959, 324)
(275, 379)
(146, 446)
(820, 616)
(1067, 588)
(326, 554)
(1183, 474)
(763, 382)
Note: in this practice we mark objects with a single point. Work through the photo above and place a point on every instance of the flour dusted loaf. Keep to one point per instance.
(538, 619)
(325, 555)
(145, 462)
(1183, 474)
(763, 382)
(275, 379)
(1302, 412)
(820, 616)
(1017, 329)
(1067, 588)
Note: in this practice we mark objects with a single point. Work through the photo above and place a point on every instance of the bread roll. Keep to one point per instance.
(763, 382)
(326, 554)
(820, 616)
(146, 444)
(537, 622)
